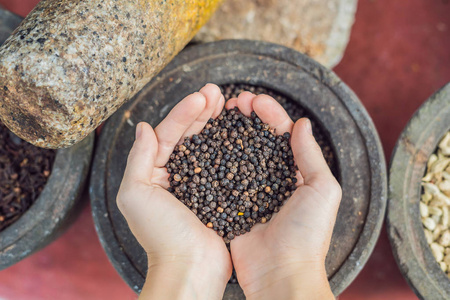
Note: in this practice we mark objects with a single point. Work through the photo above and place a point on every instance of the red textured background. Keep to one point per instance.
(398, 55)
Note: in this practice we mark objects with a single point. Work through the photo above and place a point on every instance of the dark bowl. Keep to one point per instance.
(333, 106)
(408, 164)
(54, 210)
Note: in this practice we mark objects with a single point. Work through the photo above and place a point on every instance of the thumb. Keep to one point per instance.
(322, 188)
(308, 156)
(142, 156)
(314, 205)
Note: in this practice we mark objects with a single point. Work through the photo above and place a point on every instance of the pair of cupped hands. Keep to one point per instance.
(282, 259)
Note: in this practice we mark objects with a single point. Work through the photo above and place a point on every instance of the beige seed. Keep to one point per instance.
(445, 200)
(197, 170)
(428, 177)
(430, 188)
(447, 259)
(444, 186)
(429, 223)
(432, 210)
(177, 177)
(438, 251)
(267, 189)
(426, 197)
(209, 225)
(428, 236)
(433, 158)
(436, 219)
(445, 217)
(423, 210)
(446, 174)
(444, 240)
(444, 145)
(263, 220)
(440, 165)
(436, 202)
(443, 266)
(220, 209)
(437, 232)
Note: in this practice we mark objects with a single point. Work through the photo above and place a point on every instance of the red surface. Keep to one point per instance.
(398, 55)
(72, 268)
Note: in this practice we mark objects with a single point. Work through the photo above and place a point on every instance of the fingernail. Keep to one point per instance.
(308, 126)
(138, 130)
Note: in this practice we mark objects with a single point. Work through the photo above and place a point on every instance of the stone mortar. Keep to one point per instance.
(59, 204)
(72, 63)
(318, 28)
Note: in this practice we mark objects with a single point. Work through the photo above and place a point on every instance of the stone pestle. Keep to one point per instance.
(73, 63)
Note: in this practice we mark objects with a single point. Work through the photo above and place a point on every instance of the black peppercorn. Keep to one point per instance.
(234, 174)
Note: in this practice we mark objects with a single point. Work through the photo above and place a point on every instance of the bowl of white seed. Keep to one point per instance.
(418, 217)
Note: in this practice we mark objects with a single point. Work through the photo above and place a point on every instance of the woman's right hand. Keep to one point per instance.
(285, 257)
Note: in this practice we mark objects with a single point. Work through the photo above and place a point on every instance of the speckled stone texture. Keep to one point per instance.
(72, 63)
(318, 28)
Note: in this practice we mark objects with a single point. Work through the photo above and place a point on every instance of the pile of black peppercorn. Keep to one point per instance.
(237, 172)
(294, 110)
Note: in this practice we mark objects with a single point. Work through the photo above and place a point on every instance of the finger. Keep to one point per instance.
(244, 103)
(307, 153)
(172, 128)
(232, 103)
(320, 194)
(219, 107)
(161, 177)
(272, 113)
(212, 94)
(299, 177)
(142, 156)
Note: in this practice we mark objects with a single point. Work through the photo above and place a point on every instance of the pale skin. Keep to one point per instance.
(282, 259)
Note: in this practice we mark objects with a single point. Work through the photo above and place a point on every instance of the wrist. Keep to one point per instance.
(184, 279)
(293, 281)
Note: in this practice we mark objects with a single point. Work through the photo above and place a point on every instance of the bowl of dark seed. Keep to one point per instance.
(235, 173)
(40, 189)
(40, 193)
(419, 199)
(231, 180)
